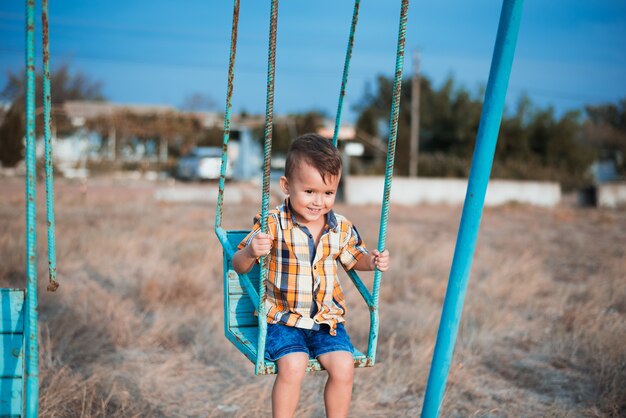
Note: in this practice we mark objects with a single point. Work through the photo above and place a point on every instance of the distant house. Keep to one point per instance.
(79, 111)
(113, 142)
(84, 143)
(71, 152)
(609, 189)
(605, 171)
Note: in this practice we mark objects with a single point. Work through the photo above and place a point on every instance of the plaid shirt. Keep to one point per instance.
(297, 284)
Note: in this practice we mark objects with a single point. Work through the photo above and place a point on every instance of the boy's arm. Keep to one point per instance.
(244, 259)
(354, 255)
(373, 260)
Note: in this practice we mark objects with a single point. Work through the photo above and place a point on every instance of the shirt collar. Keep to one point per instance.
(288, 218)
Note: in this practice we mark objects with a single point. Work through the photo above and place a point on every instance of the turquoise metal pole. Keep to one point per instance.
(391, 154)
(265, 204)
(32, 372)
(346, 68)
(487, 137)
(53, 284)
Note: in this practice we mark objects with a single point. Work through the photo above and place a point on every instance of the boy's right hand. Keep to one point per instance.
(261, 245)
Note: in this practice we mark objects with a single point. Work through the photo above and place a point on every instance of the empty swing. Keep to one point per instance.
(245, 293)
(19, 369)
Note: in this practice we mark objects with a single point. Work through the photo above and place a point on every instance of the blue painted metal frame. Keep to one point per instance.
(482, 160)
(32, 348)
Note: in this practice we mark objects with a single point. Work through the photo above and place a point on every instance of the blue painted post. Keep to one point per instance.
(32, 374)
(474, 199)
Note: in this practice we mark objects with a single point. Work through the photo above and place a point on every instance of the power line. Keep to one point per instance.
(287, 71)
(56, 22)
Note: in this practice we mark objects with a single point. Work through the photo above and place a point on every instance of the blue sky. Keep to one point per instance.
(569, 53)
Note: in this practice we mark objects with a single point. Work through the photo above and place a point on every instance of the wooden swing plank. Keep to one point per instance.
(241, 311)
(11, 392)
(234, 283)
(11, 355)
(11, 310)
(11, 352)
(11, 333)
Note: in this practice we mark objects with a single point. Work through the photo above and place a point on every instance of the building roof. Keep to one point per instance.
(91, 109)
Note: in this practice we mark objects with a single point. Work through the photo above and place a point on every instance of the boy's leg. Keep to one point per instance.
(338, 391)
(286, 391)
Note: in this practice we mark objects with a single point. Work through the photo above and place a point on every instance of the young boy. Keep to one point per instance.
(305, 304)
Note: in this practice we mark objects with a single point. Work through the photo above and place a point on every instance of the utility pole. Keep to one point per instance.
(415, 115)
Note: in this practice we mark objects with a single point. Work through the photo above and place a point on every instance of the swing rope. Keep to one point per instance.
(391, 153)
(346, 68)
(265, 204)
(219, 231)
(229, 97)
(53, 284)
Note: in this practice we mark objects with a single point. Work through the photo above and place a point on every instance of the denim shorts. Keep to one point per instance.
(282, 340)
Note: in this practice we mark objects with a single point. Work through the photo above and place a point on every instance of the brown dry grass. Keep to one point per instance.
(136, 328)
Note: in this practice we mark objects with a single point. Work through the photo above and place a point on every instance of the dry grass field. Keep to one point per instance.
(136, 328)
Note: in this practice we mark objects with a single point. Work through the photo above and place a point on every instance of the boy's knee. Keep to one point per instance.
(292, 367)
(343, 373)
(341, 368)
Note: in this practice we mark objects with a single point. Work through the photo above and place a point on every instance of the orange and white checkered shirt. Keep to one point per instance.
(295, 283)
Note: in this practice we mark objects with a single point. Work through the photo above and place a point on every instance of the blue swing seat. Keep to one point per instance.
(11, 352)
(240, 321)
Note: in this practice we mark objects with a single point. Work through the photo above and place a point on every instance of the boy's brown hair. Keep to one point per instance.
(316, 151)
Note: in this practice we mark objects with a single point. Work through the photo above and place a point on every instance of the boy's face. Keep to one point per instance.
(311, 198)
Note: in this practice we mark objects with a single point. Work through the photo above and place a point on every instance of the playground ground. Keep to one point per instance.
(136, 328)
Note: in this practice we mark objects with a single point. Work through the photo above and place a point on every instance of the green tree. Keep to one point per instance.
(64, 85)
(513, 141)
(286, 129)
(11, 134)
(605, 130)
(449, 118)
(533, 143)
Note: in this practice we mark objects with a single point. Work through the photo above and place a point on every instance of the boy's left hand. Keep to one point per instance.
(380, 260)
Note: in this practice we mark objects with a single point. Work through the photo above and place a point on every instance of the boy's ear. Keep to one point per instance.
(284, 185)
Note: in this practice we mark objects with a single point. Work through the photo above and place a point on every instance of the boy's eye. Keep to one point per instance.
(330, 193)
(308, 191)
